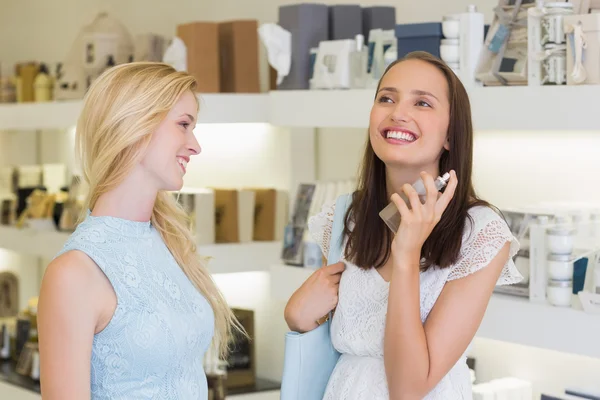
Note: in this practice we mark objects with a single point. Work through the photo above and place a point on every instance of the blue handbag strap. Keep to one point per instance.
(337, 230)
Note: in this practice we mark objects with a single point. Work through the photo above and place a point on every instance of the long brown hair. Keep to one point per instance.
(369, 240)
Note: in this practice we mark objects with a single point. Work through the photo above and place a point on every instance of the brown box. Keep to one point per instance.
(239, 56)
(202, 42)
(270, 214)
(26, 74)
(234, 215)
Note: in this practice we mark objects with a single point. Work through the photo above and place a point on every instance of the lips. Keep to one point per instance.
(396, 135)
(183, 162)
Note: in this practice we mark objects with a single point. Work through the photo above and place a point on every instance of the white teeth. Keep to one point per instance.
(400, 136)
(182, 162)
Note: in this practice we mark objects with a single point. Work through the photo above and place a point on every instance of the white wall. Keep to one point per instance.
(44, 31)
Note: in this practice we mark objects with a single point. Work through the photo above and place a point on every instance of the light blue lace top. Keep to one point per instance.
(154, 345)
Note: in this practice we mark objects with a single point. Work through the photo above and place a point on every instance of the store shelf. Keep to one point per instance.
(227, 257)
(32, 242)
(517, 320)
(285, 279)
(229, 108)
(508, 318)
(214, 108)
(563, 108)
(32, 116)
(321, 108)
(560, 108)
(241, 257)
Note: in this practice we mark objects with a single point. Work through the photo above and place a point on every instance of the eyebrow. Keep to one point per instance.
(189, 116)
(415, 92)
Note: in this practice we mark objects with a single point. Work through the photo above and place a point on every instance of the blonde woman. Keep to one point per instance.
(127, 309)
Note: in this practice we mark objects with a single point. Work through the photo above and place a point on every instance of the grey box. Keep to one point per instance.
(309, 25)
(345, 21)
(378, 17)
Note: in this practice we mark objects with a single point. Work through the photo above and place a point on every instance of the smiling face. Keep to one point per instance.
(410, 116)
(172, 145)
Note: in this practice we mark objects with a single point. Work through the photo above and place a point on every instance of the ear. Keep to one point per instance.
(447, 144)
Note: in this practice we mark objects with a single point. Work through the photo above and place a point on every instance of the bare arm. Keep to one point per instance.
(417, 356)
(314, 299)
(70, 309)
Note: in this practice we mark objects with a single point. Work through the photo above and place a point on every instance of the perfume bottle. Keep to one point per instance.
(358, 64)
(391, 215)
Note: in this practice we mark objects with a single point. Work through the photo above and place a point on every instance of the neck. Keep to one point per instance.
(396, 177)
(129, 200)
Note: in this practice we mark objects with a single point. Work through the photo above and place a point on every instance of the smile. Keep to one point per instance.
(395, 136)
(182, 163)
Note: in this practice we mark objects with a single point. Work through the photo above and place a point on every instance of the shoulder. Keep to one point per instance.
(320, 224)
(485, 219)
(486, 233)
(322, 218)
(70, 272)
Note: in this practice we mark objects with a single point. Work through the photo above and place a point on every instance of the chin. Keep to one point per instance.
(173, 185)
(395, 158)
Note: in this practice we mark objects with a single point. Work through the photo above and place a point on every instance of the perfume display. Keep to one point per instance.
(560, 248)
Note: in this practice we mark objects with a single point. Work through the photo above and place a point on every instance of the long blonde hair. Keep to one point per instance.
(121, 111)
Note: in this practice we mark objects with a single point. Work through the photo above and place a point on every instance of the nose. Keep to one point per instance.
(401, 113)
(193, 145)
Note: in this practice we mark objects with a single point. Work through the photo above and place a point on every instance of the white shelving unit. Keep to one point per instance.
(227, 257)
(517, 320)
(214, 108)
(494, 108)
(508, 318)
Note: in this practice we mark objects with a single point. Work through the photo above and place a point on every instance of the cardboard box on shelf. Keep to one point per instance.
(238, 44)
(270, 214)
(234, 215)
(203, 60)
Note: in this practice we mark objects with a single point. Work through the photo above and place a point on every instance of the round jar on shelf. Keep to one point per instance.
(450, 51)
(552, 22)
(451, 26)
(554, 65)
(559, 292)
(560, 267)
(560, 239)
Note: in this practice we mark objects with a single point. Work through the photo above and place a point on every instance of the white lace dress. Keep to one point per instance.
(358, 324)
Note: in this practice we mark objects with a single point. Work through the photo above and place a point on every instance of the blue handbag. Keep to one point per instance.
(309, 358)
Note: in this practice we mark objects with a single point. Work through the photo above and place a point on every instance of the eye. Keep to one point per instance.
(422, 103)
(384, 99)
(185, 125)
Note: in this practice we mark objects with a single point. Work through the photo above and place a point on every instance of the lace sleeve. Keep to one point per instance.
(482, 241)
(320, 225)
